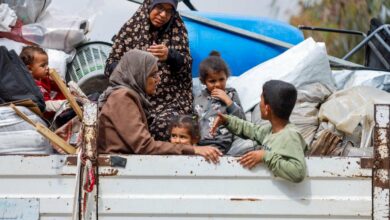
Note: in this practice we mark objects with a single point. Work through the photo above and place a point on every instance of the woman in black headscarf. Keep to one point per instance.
(122, 126)
(156, 27)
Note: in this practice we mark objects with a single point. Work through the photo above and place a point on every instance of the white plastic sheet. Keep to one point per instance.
(347, 108)
(19, 137)
(351, 78)
(303, 64)
(7, 18)
(57, 31)
(28, 10)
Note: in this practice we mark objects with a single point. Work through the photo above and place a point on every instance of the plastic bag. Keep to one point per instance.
(56, 31)
(28, 10)
(7, 17)
(346, 109)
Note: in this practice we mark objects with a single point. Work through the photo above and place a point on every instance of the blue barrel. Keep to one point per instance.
(240, 53)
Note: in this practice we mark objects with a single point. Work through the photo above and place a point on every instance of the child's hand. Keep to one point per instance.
(221, 95)
(209, 153)
(250, 159)
(218, 121)
(159, 50)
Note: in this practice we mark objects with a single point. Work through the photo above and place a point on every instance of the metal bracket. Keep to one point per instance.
(108, 161)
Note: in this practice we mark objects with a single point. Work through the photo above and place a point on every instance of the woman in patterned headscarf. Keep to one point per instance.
(122, 126)
(156, 27)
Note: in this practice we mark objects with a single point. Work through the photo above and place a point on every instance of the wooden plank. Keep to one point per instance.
(64, 89)
(55, 138)
(23, 116)
(46, 132)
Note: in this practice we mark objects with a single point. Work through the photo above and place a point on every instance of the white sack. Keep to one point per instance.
(303, 64)
(19, 137)
(57, 31)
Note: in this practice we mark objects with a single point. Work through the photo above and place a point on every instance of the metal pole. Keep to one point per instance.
(381, 169)
(361, 44)
(89, 192)
(302, 27)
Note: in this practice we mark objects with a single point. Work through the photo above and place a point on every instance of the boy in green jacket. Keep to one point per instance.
(282, 145)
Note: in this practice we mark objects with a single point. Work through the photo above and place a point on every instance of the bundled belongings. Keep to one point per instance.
(18, 136)
(349, 108)
(28, 11)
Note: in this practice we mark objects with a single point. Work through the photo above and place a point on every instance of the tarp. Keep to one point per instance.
(351, 78)
(303, 64)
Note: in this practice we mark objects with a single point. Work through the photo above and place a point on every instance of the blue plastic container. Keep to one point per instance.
(240, 53)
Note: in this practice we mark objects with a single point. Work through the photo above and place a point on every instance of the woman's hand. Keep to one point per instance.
(209, 153)
(160, 51)
(251, 159)
(218, 121)
(221, 95)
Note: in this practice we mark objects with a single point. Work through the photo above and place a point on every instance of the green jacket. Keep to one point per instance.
(284, 150)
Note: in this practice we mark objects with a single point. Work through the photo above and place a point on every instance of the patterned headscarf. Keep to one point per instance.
(174, 92)
(139, 33)
(131, 73)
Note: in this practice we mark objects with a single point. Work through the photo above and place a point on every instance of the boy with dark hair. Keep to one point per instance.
(282, 145)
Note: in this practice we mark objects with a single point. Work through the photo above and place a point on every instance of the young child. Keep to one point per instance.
(282, 145)
(184, 129)
(36, 60)
(213, 73)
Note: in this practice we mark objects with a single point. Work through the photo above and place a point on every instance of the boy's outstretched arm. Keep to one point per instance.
(240, 127)
(219, 120)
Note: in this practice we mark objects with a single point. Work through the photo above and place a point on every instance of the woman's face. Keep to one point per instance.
(161, 14)
(152, 81)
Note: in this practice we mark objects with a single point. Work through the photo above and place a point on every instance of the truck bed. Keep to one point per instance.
(186, 187)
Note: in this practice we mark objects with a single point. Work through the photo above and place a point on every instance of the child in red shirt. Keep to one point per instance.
(36, 60)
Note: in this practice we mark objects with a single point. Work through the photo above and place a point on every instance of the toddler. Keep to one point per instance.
(36, 60)
(213, 73)
(184, 129)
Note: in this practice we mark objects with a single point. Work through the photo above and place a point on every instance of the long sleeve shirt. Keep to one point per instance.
(284, 150)
(207, 108)
(123, 128)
